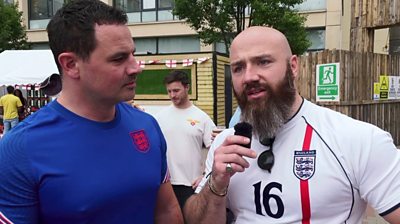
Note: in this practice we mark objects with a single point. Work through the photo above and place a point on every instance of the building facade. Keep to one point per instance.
(157, 31)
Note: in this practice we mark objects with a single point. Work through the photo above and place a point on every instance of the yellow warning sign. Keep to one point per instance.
(377, 91)
(384, 82)
(384, 87)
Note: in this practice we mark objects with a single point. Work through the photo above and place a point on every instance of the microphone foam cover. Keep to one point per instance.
(244, 129)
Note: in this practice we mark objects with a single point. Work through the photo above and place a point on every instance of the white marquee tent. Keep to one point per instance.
(24, 67)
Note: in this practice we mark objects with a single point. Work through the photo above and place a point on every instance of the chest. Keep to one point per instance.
(305, 173)
(114, 172)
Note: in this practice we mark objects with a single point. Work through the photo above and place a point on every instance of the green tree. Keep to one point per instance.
(12, 32)
(221, 20)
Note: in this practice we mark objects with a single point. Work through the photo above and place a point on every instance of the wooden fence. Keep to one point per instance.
(376, 13)
(358, 72)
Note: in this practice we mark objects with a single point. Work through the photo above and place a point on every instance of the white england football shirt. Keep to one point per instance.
(327, 168)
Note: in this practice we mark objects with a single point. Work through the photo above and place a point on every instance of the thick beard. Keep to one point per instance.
(269, 114)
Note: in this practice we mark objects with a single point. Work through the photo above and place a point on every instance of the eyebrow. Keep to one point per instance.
(254, 58)
(121, 54)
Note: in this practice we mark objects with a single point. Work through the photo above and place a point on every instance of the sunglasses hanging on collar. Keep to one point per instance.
(266, 159)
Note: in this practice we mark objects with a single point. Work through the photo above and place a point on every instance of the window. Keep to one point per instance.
(220, 47)
(317, 38)
(309, 5)
(149, 4)
(177, 44)
(146, 10)
(144, 45)
(40, 12)
(129, 5)
(162, 4)
(40, 46)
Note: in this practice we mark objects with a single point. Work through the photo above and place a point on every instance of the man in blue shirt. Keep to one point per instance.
(88, 157)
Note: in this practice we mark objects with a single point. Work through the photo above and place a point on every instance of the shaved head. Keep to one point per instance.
(263, 72)
(260, 35)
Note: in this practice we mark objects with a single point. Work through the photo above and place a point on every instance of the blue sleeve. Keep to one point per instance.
(163, 150)
(18, 193)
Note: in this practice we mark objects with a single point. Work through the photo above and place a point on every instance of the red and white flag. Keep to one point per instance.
(170, 63)
(150, 62)
(142, 64)
(187, 62)
(4, 220)
(202, 60)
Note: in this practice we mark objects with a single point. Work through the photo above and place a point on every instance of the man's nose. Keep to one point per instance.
(133, 67)
(251, 74)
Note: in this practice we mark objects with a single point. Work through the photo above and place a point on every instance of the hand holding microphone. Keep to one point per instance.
(229, 158)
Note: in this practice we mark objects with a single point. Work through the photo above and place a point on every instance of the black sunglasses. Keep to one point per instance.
(266, 159)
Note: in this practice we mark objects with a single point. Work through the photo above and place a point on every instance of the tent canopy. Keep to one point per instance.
(23, 67)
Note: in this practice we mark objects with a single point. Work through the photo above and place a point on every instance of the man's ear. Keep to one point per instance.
(294, 65)
(69, 64)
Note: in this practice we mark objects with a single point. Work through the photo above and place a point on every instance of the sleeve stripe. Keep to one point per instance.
(167, 177)
(390, 210)
(4, 220)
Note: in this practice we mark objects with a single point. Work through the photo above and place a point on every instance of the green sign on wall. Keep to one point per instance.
(328, 87)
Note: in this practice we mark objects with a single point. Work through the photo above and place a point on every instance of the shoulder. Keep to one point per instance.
(200, 112)
(322, 117)
(341, 130)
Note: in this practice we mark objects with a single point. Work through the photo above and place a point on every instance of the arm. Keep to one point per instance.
(20, 109)
(209, 206)
(393, 217)
(205, 207)
(167, 207)
(18, 198)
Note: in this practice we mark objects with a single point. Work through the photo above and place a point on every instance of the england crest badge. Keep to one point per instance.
(304, 164)
(140, 140)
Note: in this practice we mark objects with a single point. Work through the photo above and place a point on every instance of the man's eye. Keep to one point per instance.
(264, 62)
(237, 69)
(118, 59)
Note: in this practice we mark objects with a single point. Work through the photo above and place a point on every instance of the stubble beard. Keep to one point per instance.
(267, 115)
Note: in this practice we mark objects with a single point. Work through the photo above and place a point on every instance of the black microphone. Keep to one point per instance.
(244, 129)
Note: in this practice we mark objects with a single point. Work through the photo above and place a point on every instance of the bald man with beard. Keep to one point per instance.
(306, 163)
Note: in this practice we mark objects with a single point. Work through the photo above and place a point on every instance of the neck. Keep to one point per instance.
(296, 106)
(184, 105)
(87, 108)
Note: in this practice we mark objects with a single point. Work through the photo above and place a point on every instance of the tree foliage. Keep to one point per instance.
(221, 20)
(12, 32)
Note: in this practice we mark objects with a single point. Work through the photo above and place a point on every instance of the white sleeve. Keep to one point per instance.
(210, 156)
(208, 127)
(379, 171)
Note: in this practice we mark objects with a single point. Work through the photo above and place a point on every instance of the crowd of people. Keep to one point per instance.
(92, 156)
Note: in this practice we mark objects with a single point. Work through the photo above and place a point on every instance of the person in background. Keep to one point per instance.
(235, 117)
(22, 114)
(187, 130)
(306, 163)
(10, 107)
(88, 157)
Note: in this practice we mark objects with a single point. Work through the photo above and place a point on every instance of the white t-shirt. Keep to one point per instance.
(185, 130)
(348, 164)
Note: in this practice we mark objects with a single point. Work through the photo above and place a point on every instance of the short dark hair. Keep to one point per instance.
(72, 27)
(177, 75)
(10, 89)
